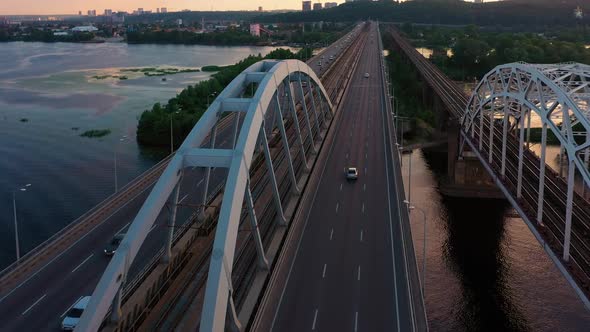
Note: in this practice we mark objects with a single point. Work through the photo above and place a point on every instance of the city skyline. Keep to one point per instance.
(72, 7)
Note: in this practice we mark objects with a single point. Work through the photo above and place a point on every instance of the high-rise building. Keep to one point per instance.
(158, 10)
(92, 12)
(260, 8)
(139, 11)
(79, 13)
(108, 12)
(163, 10)
(317, 6)
(330, 4)
(306, 6)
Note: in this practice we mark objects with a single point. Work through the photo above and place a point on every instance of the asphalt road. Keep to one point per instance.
(349, 272)
(40, 302)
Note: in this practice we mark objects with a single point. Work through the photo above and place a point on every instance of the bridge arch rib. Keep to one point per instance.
(506, 103)
(273, 80)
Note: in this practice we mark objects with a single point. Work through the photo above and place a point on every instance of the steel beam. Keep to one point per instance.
(568, 209)
(491, 147)
(541, 198)
(262, 261)
(171, 223)
(306, 117)
(504, 138)
(273, 180)
(520, 156)
(208, 171)
(284, 138)
(313, 108)
(296, 123)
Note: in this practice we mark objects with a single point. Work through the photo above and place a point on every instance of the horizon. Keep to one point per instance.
(72, 7)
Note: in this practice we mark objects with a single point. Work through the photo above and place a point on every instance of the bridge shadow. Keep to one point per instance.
(475, 251)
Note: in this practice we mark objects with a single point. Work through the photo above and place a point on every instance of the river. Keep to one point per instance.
(49, 95)
(485, 271)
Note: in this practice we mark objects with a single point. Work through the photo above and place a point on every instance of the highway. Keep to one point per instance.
(350, 271)
(40, 301)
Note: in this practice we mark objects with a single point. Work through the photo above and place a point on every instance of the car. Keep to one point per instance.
(332, 57)
(74, 313)
(366, 75)
(352, 173)
(114, 244)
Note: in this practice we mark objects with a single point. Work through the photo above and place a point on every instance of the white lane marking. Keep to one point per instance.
(324, 272)
(315, 318)
(366, 155)
(356, 320)
(337, 205)
(70, 307)
(34, 304)
(200, 182)
(84, 261)
(365, 171)
(363, 210)
(71, 246)
(183, 198)
(365, 187)
(154, 226)
(341, 187)
(358, 275)
(347, 156)
(361, 235)
(331, 234)
(122, 228)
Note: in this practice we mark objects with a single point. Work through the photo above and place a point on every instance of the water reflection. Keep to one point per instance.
(484, 271)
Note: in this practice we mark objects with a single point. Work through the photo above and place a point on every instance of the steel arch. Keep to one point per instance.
(553, 92)
(270, 76)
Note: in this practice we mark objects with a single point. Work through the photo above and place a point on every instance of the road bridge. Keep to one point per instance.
(494, 125)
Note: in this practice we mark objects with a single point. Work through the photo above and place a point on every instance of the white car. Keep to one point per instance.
(352, 173)
(366, 75)
(74, 313)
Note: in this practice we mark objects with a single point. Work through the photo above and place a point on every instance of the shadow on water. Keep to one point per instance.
(474, 251)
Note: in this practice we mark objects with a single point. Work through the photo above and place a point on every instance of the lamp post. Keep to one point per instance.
(410, 208)
(172, 132)
(116, 178)
(211, 95)
(16, 239)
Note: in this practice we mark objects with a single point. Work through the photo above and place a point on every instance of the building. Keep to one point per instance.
(92, 12)
(179, 22)
(139, 11)
(163, 10)
(478, 1)
(79, 13)
(317, 6)
(158, 10)
(84, 28)
(260, 8)
(330, 4)
(255, 30)
(108, 12)
(306, 6)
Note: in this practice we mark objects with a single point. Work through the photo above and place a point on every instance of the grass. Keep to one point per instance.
(96, 133)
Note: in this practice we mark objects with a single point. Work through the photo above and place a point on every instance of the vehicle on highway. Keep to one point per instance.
(331, 57)
(114, 244)
(352, 173)
(319, 63)
(74, 313)
(366, 75)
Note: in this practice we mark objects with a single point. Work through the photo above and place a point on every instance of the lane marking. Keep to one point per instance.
(315, 318)
(80, 265)
(200, 182)
(365, 171)
(363, 210)
(183, 198)
(366, 155)
(341, 187)
(331, 234)
(365, 187)
(356, 320)
(122, 228)
(324, 272)
(358, 275)
(337, 205)
(34, 304)
(154, 226)
(361, 235)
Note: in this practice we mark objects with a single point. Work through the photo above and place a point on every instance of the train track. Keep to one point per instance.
(554, 204)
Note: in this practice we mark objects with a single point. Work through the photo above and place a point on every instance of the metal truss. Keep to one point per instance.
(275, 82)
(558, 98)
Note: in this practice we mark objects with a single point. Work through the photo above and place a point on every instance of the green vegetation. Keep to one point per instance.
(476, 51)
(227, 38)
(188, 106)
(96, 133)
(46, 36)
(213, 68)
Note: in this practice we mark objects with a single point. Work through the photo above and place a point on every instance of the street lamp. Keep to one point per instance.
(410, 208)
(172, 132)
(211, 95)
(24, 188)
(116, 179)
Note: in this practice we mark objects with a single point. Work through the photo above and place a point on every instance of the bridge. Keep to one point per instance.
(251, 224)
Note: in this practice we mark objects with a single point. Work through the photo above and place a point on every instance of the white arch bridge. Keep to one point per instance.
(288, 105)
(515, 114)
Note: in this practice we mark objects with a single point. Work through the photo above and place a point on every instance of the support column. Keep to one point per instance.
(586, 162)
(208, 173)
(528, 130)
(520, 156)
(306, 116)
(491, 147)
(273, 181)
(262, 261)
(281, 125)
(296, 123)
(315, 114)
(542, 175)
(571, 175)
(481, 115)
(504, 135)
(171, 223)
(236, 127)
(561, 150)
(319, 94)
(232, 322)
